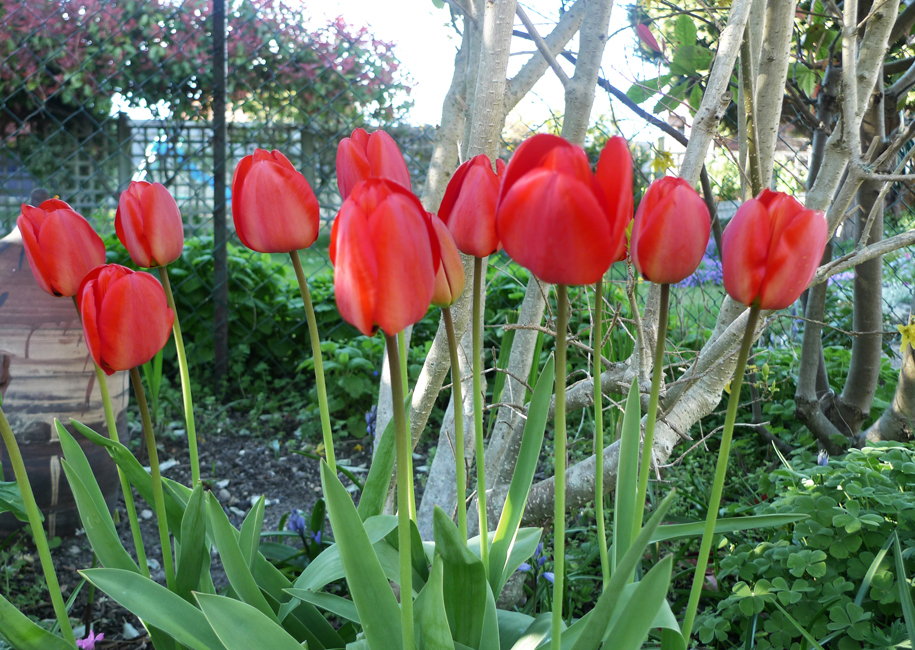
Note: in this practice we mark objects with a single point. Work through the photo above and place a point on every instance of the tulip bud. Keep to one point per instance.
(149, 224)
(469, 206)
(385, 255)
(771, 249)
(449, 280)
(273, 206)
(670, 231)
(362, 156)
(558, 219)
(61, 246)
(126, 319)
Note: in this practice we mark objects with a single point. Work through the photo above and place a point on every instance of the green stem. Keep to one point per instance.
(559, 481)
(478, 409)
(720, 472)
(185, 380)
(402, 356)
(459, 466)
(158, 494)
(404, 479)
(41, 541)
(125, 484)
(319, 364)
(652, 415)
(597, 336)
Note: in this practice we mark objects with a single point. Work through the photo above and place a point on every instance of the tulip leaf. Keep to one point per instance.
(194, 548)
(431, 620)
(526, 541)
(489, 639)
(155, 605)
(375, 491)
(522, 479)
(237, 569)
(636, 619)
(726, 525)
(297, 628)
(80, 465)
(336, 605)
(105, 543)
(591, 633)
(627, 476)
(11, 501)
(515, 626)
(251, 532)
(374, 599)
(138, 477)
(242, 627)
(905, 592)
(465, 585)
(328, 566)
(23, 633)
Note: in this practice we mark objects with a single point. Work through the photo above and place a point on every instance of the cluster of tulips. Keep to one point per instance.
(393, 259)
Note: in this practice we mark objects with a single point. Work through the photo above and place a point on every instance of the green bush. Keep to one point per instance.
(816, 569)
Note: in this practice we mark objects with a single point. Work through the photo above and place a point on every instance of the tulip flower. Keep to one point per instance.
(273, 206)
(558, 219)
(386, 254)
(149, 224)
(61, 246)
(469, 206)
(449, 280)
(362, 156)
(771, 250)
(126, 319)
(670, 231)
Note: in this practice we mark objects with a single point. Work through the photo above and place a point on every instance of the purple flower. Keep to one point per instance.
(370, 418)
(89, 642)
(823, 458)
(548, 576)
(296, 522)
(524, 566)
(317, 537)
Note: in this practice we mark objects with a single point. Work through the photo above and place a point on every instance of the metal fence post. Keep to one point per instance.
(220, 257)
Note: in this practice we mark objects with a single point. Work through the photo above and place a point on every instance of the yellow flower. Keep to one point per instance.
(908, 334)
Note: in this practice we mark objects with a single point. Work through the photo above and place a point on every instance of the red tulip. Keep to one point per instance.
(149, 224)
(273, 206)
(558, 219)
(449, 280)
(385, 255)
(126, 319)
(362, 156)
(670, 231)
(469, 206)
(61, 246)
(771, 250)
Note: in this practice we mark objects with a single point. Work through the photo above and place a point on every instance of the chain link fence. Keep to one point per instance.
(97, 93)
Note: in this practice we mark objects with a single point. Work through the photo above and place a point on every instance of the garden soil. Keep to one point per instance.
(238, 470)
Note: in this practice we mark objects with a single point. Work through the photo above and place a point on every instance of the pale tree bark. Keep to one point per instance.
(771, 77)
(896, 422)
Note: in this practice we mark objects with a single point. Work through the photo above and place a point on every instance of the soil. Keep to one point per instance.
(252, 466)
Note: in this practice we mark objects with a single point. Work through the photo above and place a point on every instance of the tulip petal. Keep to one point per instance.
(134, 321)
(406, 274)
(355, 270)
(274, 208)
(88, 309)
(449, 280)
(553, 225)
(70, 248)
(386, 159)
(793, 260)
(469, 207)
(29, 230)
(129, 227)
(528, 157)
(352, 166)
(745, 247)
(163, 226)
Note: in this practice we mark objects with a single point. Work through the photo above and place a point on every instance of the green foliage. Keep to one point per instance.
(819, 569)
